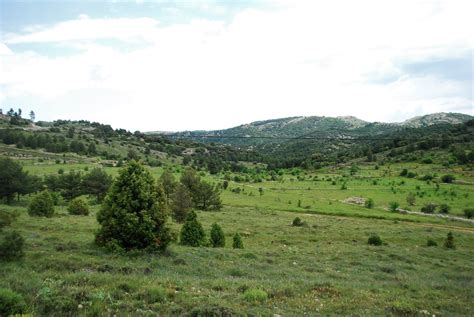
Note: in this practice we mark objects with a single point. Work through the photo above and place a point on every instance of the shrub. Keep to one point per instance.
(449, 242)
(444, 208)
(192, 233)
(11, 303)
(428, 208)
(78, 206)
(404, 172)
(255, 295)
(469, 212)
(411, 175)
(369, 203)
(155, 295)
(431, 243)
(297, 222)
(411, 200)
(344, 186)
(217, 236)
(447, 179)
(130, 217)
(237, 242)
(42, 205)
(6, 218)
(393, 206)
(11, 247)
(374, 239)
(212, 310)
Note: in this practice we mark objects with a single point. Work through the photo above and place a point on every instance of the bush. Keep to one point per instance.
(11, 247)
(154, 295)
(6, 218)
(11, 303)
(374, 239)
(449, 242)
(78, 206)
(42, 205)
(411, 175)
(255, 295)
(393, 206)
(369, 203)
(431, 243)
(237, 242)
(444, 208)
(217, 236)
(428, 208)
(404, 172)
(131, 217)
(297, 222)
(192, 233)
(469, 212)
(411, 200)
(447, 179)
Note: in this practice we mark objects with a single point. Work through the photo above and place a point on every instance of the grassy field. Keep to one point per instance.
(325, 267)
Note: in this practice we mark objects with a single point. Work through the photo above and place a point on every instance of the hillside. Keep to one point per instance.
(308, 142)
(436, 118)
(294, 127)
(288, 142)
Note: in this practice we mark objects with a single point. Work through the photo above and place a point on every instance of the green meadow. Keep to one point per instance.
(324, 267)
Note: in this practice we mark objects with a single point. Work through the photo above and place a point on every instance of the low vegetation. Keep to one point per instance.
(136, 227)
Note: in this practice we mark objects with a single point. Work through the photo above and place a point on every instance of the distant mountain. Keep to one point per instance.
(436, 118)
(294, 140)
(260, 132)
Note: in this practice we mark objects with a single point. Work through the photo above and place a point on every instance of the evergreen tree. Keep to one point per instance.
(370, 155)
(191, 180)
(11, 248)
(237, 241)
(181, 203)
(169, 183)
(449, 242)
(161, 198)
(217, 236)
(97, 182)
(42, 205)
(130, 217)
(78, 206)
(70, 185)
(192, 233)
(13, 179)
(207, 197)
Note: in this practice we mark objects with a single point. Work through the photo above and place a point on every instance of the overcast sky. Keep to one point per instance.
(186, 65)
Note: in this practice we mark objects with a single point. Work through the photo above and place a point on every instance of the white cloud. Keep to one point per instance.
(85, 28)
(302, 58)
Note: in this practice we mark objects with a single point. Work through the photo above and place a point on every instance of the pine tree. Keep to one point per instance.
(217, 236)
(192, 233)
(181, 203)
(131, 217)
(97, 182)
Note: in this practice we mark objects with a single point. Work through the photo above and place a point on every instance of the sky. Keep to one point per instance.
(168, 65)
